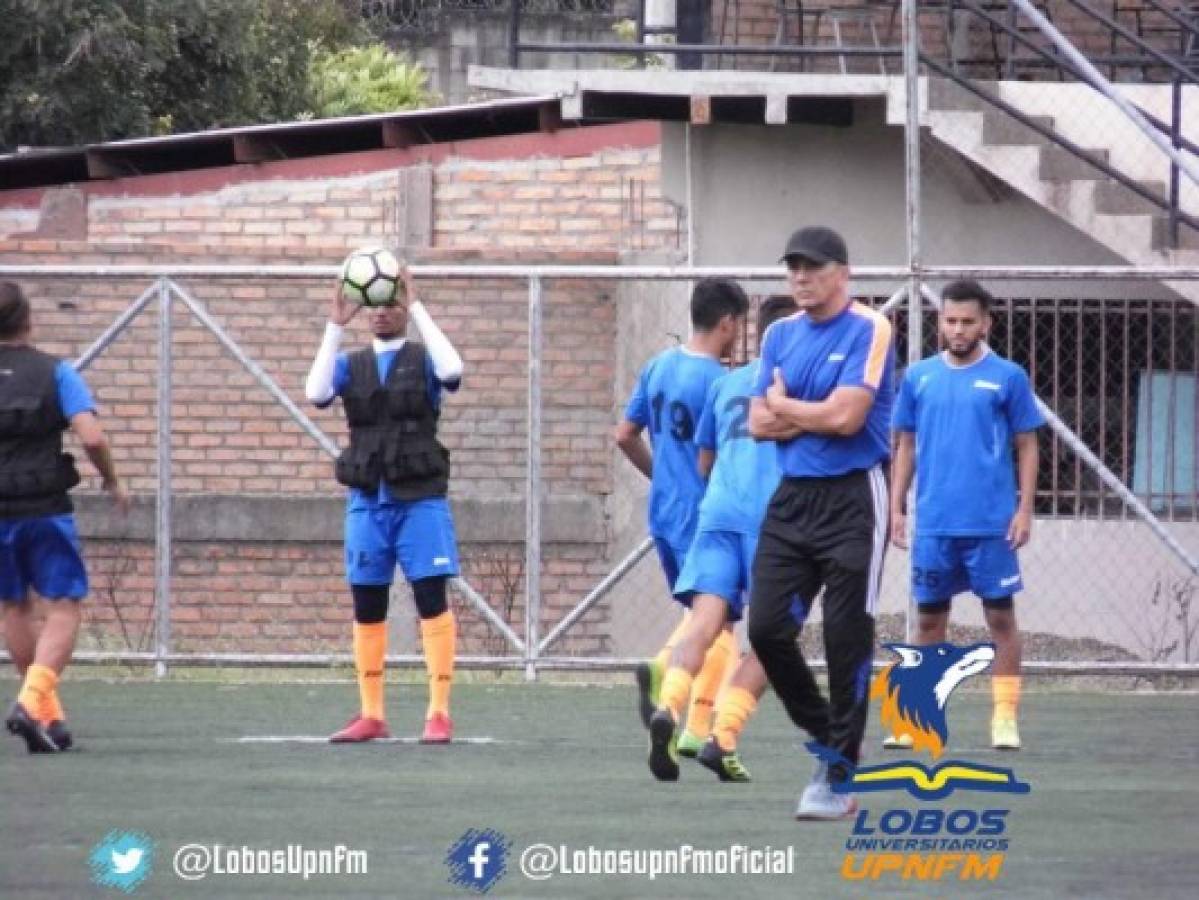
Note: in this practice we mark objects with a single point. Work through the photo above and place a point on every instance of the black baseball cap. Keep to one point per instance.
(819, 244)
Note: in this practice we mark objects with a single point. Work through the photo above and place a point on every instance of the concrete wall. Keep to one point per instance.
(753, 185)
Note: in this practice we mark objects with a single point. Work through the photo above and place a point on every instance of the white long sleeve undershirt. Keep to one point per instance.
(447, 363)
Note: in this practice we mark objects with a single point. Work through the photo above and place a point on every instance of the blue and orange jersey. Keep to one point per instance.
(852, 349)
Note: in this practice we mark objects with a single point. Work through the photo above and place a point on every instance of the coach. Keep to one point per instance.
(824, 394)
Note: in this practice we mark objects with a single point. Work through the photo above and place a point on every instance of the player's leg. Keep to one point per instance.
(706, 653)
(785, 582)
(717, 666)
(370, 567)
(49, 551)
(427, 547)
(650, 672)
(698, 641)
(994, 572)
(737, 703)
(1005, 679)
(852, 541)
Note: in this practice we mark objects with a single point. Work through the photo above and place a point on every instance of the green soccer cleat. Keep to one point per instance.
(663, 749)
(649, 684)
(726, 765)
(689, 745)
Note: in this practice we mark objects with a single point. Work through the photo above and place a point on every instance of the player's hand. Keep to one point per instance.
(341, 310)
(406, 295)
(777, 390)
(1020, 529)
(120, 496)
(899, 530)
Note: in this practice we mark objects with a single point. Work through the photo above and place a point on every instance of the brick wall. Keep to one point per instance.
(230, 438)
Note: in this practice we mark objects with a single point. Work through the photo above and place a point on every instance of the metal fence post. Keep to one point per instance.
(533, 486)
(911, 75)
(162, 521)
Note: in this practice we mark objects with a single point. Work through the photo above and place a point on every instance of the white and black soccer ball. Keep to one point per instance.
(370, 276)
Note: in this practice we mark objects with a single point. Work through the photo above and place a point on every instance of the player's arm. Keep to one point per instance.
(705, 461)
(843, 412)
(447, 363)
(1027, 462)
(632, 445)
(765, 425)
(903, 465)
(95, 444)
(318, 387)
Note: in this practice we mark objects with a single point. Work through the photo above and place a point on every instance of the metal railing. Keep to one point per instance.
(532, 647)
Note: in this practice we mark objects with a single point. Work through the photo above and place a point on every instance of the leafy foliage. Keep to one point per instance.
(81, 71)
(361, 80)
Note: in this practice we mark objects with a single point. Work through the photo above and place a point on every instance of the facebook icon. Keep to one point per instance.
(478, 859)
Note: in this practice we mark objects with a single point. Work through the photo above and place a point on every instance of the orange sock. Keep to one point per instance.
(735, 707)
(54, 708)
(438, 636)
(39, 685)
(676, 688)
(1005, 692)
(718, 662)
(370, 651)
(662, 660)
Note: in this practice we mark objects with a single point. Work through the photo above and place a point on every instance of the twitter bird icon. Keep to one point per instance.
(122, 860)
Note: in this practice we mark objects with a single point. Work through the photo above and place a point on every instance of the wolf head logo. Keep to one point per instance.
(916, 689)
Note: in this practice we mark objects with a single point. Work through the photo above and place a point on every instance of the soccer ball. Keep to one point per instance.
(370, 276)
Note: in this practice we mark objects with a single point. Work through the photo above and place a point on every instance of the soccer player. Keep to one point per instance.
(742, 474)
(40, 398)
(823, 394)
(956, 419)
(397, 472)
(668, 400)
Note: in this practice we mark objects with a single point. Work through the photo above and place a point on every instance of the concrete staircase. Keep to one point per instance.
(1046, 173)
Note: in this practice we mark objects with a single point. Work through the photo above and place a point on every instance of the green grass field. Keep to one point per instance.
(1115, 789)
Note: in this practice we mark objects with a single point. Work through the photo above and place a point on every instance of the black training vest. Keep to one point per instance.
(393, 428)
(35, 474)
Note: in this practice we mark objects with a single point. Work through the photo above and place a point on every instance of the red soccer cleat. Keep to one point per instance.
(439, 729)
(360, 729)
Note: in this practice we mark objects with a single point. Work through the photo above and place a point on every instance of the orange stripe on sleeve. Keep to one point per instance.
(880, 343)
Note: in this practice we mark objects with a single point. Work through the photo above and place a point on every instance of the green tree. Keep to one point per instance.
(80, 71)
(362, 80)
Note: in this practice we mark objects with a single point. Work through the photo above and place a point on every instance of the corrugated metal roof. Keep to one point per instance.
(287, 140)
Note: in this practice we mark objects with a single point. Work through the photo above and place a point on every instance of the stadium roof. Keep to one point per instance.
(291, 140)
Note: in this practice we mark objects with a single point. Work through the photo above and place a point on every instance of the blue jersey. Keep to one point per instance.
(852, 349)
(341, 378)
(668, 401)
(746, 471)
(964, 419)
(73, 394)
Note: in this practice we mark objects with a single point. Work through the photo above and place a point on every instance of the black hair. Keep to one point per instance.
(15, 312)
(713, 299)
(965, 291)
(771, 310)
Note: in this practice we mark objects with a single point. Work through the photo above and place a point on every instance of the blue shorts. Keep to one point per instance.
(719, 562)
(671, 558)
(416, 534)
(44, 554)
(944, 566)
